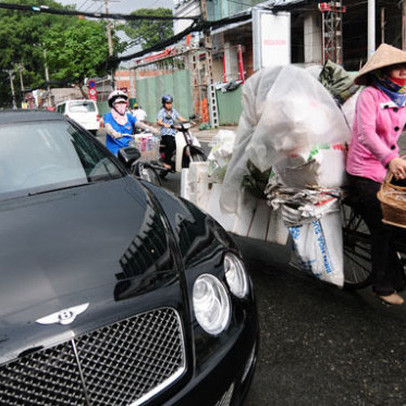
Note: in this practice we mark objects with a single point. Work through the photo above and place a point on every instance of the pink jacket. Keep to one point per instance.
(378, 123)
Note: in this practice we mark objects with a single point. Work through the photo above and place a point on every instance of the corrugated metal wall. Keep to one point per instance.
(151, 89)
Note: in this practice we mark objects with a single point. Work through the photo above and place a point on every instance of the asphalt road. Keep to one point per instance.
(320, 345)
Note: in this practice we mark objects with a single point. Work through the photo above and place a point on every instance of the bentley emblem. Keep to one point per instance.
(65, 316)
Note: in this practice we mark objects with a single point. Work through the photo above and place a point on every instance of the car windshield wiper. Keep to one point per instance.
(70, 186)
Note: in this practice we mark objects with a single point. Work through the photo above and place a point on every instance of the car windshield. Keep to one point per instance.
(81, 107)
(37, 157)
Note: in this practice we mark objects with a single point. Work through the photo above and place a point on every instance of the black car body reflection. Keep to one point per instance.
(99, 295)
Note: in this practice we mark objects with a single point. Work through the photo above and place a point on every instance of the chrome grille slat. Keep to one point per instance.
(43, 378)
(120, 363)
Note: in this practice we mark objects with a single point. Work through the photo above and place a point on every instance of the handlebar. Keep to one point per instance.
(183, 126)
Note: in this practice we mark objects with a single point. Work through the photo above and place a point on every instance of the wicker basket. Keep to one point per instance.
(393, 203)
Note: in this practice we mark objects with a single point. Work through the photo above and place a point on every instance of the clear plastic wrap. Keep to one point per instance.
(285, 111)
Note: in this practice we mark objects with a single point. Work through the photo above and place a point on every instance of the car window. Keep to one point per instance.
(82, 107)
(48, 155)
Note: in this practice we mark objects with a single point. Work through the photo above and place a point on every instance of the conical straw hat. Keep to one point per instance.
(385, 55)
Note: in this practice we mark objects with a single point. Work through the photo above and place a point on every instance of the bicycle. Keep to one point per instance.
(357, 246)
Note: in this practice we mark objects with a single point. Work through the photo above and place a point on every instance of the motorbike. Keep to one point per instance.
(141, 157)
(188, 149)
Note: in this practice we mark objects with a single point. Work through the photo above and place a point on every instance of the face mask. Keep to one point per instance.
(120, 108)
(400, 82)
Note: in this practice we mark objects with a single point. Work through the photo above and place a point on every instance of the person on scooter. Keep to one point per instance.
(380, 117)
(139, 113)
(165, 119)
(119, 123)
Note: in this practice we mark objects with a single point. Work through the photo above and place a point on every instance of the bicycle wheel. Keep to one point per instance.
(144, 171)
(357, 250)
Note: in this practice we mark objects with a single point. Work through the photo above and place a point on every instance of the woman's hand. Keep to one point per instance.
(398, 167)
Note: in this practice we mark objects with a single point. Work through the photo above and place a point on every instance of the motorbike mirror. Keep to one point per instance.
(128, 155)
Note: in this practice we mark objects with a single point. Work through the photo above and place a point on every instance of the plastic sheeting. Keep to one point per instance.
(285, 111)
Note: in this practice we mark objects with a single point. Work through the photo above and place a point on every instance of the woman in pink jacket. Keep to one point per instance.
(380, 117)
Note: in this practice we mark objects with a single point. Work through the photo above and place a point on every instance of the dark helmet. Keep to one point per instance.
(116, 94)
(167, 99)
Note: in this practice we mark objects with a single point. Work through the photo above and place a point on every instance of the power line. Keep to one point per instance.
(127, 17)
(196, 26)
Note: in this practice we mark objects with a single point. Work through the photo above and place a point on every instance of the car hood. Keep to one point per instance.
(87, 245)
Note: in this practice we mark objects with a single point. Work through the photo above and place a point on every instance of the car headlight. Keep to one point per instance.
(236, 275)
(211, 304)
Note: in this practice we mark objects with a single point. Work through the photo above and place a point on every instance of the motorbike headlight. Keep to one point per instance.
(236, 275)
(211, 304)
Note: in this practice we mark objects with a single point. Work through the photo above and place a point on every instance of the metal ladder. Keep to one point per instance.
(213, 112)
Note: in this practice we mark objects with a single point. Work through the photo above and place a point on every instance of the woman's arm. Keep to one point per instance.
(367, 111)
(112, 132)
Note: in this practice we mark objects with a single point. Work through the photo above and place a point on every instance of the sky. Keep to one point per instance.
(116, 6)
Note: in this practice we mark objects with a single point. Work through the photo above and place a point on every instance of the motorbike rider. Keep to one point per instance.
(141, 124)
(119, 123)
(165, 119)
(139, 113)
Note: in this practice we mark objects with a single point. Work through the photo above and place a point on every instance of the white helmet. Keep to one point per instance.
(115, 95)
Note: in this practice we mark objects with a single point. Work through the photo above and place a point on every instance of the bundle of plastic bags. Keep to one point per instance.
(287, 114)
(220, 155)
(314, 223)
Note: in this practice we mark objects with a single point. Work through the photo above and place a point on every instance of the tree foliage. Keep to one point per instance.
(75, 48)
(20, 44)
(77, 52)
(149, 32)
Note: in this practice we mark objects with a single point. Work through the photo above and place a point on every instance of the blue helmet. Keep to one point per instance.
(167, 98)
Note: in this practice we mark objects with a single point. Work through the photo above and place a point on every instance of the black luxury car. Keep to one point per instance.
(113, 291)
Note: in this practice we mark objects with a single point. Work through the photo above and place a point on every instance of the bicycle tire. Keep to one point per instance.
(356, 249)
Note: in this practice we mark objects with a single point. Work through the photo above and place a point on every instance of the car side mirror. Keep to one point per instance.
(128, 155)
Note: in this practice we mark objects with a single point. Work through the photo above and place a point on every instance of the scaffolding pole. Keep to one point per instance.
(332, 30)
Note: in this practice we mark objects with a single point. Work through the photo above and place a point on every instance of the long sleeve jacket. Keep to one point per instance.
(378, 124)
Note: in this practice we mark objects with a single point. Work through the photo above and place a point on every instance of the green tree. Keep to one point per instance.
(20, 43)
(149, 32)
(78, 52)
(75, 48)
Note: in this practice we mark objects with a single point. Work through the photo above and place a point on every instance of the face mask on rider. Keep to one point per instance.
(120, 107)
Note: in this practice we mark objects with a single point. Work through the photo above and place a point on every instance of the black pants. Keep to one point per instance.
(170, 146)
(386, 267)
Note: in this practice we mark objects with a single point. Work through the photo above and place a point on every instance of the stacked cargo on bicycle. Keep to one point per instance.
(148, 144)
(288, 165)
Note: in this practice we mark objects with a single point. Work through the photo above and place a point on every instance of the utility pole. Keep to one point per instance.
(383, 23)
(47, 78)
(208, 44)
(11, 76)
(109, 38)
(20, 68)
(371, 28)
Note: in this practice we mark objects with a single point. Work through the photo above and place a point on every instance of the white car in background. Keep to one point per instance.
(84, 112)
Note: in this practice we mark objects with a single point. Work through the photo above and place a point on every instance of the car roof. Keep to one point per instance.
(77, 100)
(22, 116)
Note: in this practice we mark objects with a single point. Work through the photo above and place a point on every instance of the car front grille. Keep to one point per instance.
(124, 363)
